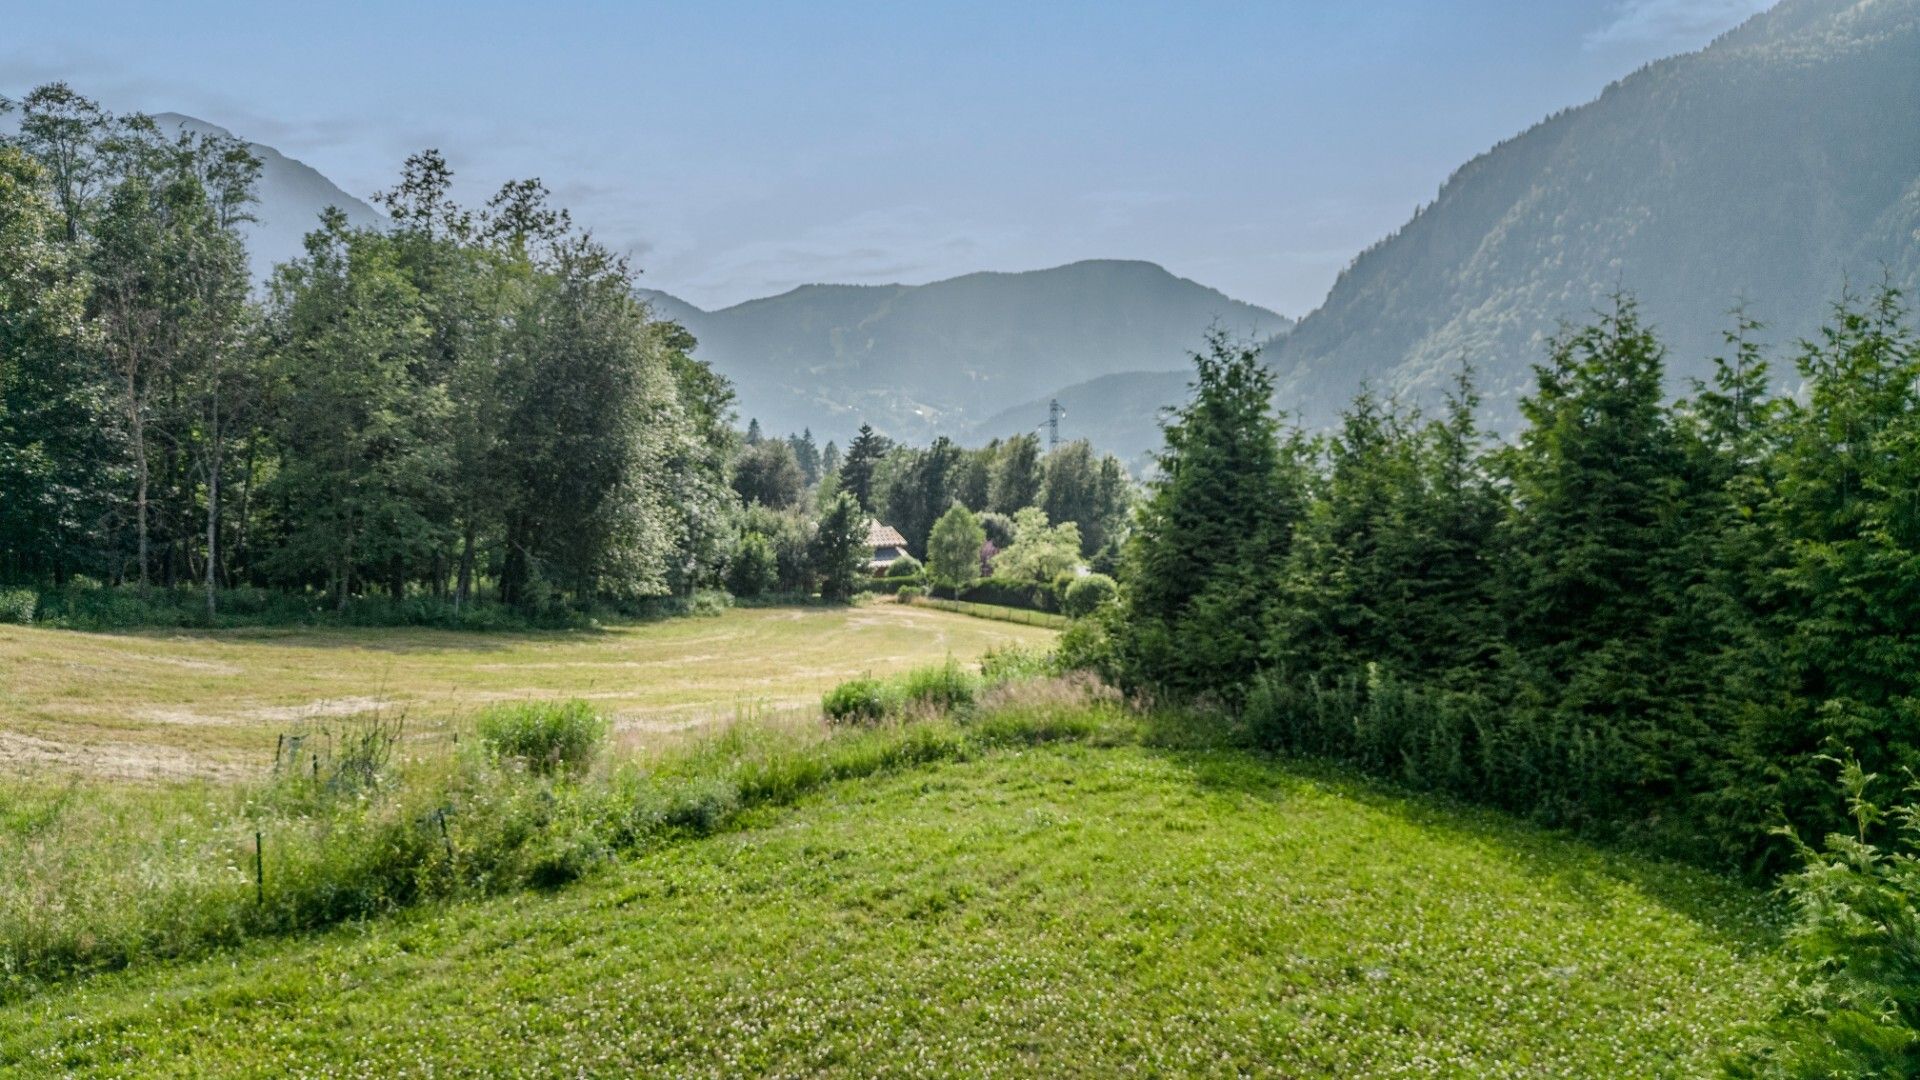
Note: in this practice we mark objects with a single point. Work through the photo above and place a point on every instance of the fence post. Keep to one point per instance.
(259, 869)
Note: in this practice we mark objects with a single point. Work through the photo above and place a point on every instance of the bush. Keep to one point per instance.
(907, 594)
(1085, 595)
(948, 686)
(1006, 663)
(547, 737)
(16, 605)
(856, 701)
(1008, 592)
(755, 568)
(1856, 1010)
(906, 566)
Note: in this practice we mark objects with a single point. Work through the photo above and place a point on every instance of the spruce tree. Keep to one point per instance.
(1200, 569)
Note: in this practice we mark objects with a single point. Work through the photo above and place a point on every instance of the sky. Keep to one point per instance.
(737, 150)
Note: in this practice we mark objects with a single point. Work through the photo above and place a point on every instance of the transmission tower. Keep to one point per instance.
(1054, 413)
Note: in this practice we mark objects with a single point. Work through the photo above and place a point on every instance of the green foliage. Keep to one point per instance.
(838, 550)
(1640, 619)
(1856, 1006)
(1040, 552)
(464, 397)
(17, 606)
(755, 568)
(906, 566)
(857, 701)
(945, 687)
(1210, 539)
(953, 549)
(1087, 593)
(856, 469)
(1092, 492)
(768, 472)
(914, 487)
(548, 738)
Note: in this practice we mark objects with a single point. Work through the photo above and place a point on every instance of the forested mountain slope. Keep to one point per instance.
(1767, 169)
(939, 358)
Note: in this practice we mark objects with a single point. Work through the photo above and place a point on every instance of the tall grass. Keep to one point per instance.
(109, 876)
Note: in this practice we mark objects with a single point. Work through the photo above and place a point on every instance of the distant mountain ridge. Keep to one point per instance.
(292, 195)
(1768, 169)
(942, 358)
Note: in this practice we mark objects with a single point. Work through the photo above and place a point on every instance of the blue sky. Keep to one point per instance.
(740, 149)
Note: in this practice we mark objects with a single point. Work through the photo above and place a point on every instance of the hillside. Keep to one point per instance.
(1771, 168)
(1120, 413)
(292, 194)
(1061, 911)
(916, 361)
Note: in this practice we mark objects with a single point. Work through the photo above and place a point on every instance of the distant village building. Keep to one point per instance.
(887, 544)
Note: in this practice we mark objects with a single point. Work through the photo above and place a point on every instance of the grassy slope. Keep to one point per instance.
(1058, 911)
(177, 703)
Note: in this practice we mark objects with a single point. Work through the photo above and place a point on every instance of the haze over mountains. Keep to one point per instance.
(942, 358)
(292, 195)
(1770, 169)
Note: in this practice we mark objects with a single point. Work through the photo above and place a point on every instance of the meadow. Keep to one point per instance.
(1087, 906)
(981, 869)
(180, 704)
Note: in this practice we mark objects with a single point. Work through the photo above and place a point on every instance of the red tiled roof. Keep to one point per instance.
(879, 536)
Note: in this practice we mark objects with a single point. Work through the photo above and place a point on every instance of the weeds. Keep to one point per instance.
(129, 875)
(547, 738)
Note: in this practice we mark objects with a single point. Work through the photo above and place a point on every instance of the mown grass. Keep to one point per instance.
(349, 831)
(212, 704)
(1047, 908)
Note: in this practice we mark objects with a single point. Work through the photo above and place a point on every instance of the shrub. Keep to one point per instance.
(1005, 663)
(547, 737)
(16, 605)
(1856, 1010)
(856, 701)
(1007, 592)
(947, 686)
(1087, 645)
(907, 594)
(905, 566)
(1085, 595)
(755, 568)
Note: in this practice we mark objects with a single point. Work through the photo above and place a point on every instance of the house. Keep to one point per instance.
(887, 544)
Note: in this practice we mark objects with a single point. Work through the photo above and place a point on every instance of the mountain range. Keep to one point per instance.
(951, 357)
(1771, 170)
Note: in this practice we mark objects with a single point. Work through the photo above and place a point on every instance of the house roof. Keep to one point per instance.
(879, 536)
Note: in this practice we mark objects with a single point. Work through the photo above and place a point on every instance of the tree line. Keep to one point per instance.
(468, 395)
(1639, 616)
(1673, 623)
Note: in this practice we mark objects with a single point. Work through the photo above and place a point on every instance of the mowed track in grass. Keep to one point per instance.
(1060, 911)
(212, 704)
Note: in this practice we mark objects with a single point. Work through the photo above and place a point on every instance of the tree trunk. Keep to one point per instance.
(213, 507)
(466, 570)
(246, 503)
(140, 482)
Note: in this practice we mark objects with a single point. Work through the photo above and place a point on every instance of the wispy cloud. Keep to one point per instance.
(1672, 23)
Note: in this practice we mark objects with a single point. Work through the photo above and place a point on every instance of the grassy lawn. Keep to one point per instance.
(1062, 911)
(212, 704)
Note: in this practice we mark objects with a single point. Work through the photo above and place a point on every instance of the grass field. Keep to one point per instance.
(1065, 910)
(179, 704)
